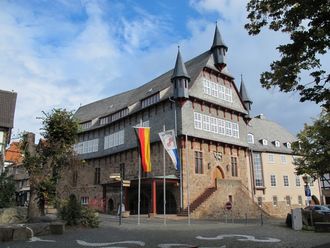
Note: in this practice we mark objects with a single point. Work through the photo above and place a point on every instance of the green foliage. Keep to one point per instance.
(7, 191)
(71, 211)
(89, 217)
(45, 161)
(307, 23)
(74, 214)
(313, 148)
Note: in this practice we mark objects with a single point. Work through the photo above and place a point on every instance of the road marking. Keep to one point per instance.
(36, 239)
(175, 245)
(240, 238)
(84, 243)
(185, 245)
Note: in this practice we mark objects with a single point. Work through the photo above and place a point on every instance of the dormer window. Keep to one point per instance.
(250, 138)
(264, 142)
(277, 143)
(150, 100)
(85, 125)
(288, 145)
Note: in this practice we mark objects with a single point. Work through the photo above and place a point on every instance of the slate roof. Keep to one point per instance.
(179, 68)
(243, 92)
(114, 103)
(7, 108)
(262, 128)
(217, 40)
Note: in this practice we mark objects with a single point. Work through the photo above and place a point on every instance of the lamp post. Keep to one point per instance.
(308, 192)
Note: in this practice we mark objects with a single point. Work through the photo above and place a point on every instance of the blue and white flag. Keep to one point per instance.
(169, 143)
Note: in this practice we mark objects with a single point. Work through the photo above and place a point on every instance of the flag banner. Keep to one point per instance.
(169, 143)
(143, 135)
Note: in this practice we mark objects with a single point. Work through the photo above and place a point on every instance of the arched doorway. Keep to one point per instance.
(217, 174)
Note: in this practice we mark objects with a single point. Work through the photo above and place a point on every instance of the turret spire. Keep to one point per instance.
(219, 49)
(180, 78)
(244, 95)
(179, 69)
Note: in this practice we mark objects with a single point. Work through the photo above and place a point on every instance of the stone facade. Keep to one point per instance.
(211, 119)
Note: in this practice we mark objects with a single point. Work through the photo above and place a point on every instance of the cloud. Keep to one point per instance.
(70, 53)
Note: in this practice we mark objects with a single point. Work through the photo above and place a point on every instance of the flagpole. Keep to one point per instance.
(164, 181)
(139, 186)
(188, 192)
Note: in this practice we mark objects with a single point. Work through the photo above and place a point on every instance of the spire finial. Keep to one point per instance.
(180, 68)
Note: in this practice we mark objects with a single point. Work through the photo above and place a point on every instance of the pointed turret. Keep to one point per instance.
(244, 95)
(180, 78)
(219, 49)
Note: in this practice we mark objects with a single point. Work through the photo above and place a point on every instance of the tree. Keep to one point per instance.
(307, 23)
(313, 148)
(45, 161)
(7, 190)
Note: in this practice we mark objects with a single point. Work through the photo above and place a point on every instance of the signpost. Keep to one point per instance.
(123, 183)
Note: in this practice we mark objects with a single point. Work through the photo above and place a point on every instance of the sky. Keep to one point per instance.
(68, 53)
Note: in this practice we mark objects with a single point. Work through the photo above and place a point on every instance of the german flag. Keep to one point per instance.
(143, 136)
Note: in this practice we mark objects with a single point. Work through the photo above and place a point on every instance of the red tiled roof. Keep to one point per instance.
(14, 154)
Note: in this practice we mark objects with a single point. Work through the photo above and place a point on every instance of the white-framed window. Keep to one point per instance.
(258, 175)
(297, 181)
(214, 125)
(275, 201)
(300, 201)
(207, 87)
(206, 123)
(277, 143)
(229, 128)
(286, 181)
(84, 200)
(273, 180)
(214, 90)
(288, 200)
(264, 142)
(221, 92)
(283, 159)
(271, 158)
(114, 139)
(250, 138)
(218, 91)
(228, 94)
(198, 120)
(221, 126)
(288, 145)
(87, 146)
(235, 130)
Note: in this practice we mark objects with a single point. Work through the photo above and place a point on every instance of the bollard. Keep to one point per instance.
(261, 219)
(226, 217)
(246, 219)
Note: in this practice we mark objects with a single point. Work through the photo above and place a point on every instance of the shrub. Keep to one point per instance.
(89, 217)
(71, 211)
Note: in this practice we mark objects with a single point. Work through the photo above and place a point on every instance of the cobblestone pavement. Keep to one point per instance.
(176, 232)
